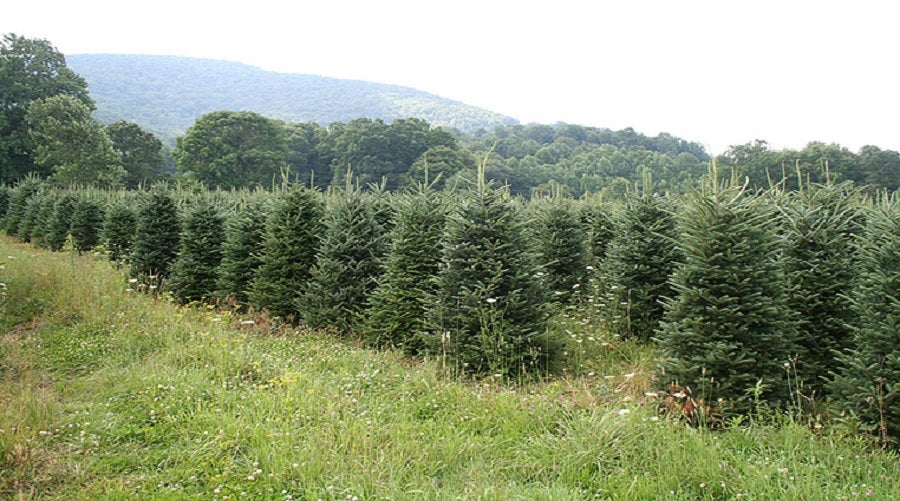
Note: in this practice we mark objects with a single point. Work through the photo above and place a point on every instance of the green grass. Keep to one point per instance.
(107, 394)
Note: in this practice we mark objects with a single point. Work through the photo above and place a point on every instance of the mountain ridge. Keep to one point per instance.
(166, 94)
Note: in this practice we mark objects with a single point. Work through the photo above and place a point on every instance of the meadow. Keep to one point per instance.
(110, 394)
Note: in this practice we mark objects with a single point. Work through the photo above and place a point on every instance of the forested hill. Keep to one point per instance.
(166, 94)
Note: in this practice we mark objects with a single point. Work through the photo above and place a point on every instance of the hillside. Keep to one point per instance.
(165, 94)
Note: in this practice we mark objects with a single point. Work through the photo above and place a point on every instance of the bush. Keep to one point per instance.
(61, 221)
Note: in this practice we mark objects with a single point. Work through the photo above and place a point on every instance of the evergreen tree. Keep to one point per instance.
(195, 270)
(245, 234)
(599, 226)
(61, 221)
(821, 226)
(561, 245)
(397, 307)
(41, 224)
(5, 194)
(156, 238)
(869, 381)
(347, 264)
(639, 260)
(87, 221)
(489, 314)
(118, 231)
(289, 252)
(32, 224)
(18, 202)
(726, 333)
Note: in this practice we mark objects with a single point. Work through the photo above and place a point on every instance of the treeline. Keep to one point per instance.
(47, 129)
(781, 298)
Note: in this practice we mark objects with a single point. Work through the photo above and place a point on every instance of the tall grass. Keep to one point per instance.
(108, 394)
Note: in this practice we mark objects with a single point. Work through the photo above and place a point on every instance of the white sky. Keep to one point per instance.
(718, 72)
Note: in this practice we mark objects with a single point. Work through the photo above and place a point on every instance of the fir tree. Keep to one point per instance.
(245, 235)
(598, 222)
(560, 245)
(489, 314)
(156, 238)
(118, 231)
(398, 305)
(821, 227)
(87, 221)
(5, 193)
(726, 333)
(289, 252)
(639, 261)
(42, 221)
(353, 240)
(869, 381)
(60, 222)
(195, 270)
(18, 202)
(32, 223)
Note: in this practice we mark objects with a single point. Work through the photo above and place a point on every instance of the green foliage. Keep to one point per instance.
(822, 223)
(726, 333)
(87, 224)
(18, 202)
(398, 305)
(639, 260)
(437, 164)
(70, 144)
(166, 94)
(489, 314)
(156, 238)
(5, 194)
(195, 271)
(140, 152)
(60, 221)
(560, 245)
(289, 252)
(599, 225)
(245, 233)
(232, 149)
(119, 227)
(34, 220)
(30, 70)
(347, 260)
(869, 382)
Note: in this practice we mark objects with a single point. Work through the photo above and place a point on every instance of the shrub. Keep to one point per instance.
(60, 221)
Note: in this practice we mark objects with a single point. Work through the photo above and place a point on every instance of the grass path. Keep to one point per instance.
(105, 394)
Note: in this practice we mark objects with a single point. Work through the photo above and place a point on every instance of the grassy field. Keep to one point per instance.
(107, 394)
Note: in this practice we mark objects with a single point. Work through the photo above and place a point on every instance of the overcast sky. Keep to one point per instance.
(716, 72)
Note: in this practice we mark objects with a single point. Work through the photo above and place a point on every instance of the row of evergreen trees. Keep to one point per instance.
(780, 297)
